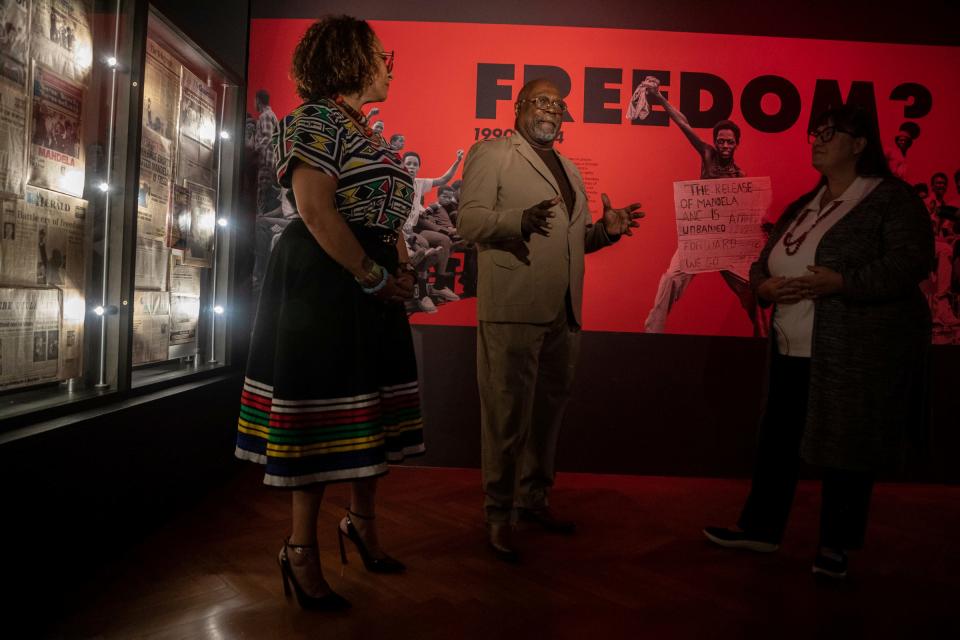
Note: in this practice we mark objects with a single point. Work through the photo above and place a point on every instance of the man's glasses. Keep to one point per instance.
(388, 58)
(544, 103)
(825, 134)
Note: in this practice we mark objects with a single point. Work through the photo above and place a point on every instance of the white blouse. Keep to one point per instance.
(794, 252)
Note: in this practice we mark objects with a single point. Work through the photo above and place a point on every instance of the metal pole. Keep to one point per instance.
(216, 233)
(102, 378)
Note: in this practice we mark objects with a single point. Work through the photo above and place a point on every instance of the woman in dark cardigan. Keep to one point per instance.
(851, 328)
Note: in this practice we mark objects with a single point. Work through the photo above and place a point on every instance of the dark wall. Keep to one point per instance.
(220, 26)
(925, 22)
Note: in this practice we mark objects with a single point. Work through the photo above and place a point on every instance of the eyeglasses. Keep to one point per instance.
(388, 58)
(825, 134)
(544, 103)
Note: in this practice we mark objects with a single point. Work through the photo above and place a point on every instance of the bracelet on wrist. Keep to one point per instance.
(378, 285)
(373, 274)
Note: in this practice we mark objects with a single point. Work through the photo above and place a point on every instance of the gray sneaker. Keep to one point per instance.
(444, 293)
(426, 305)
(832, 565)
(739, 540)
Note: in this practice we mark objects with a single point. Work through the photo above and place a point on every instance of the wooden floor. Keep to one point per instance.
(638, 567)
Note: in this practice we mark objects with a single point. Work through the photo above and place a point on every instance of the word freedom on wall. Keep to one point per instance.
(603, 86)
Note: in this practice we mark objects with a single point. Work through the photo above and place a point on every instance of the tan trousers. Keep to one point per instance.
(524, 372)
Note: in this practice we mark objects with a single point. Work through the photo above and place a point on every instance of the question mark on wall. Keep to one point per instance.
(918, 98)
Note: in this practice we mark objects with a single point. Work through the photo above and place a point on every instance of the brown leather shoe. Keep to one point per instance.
(501, 542)
(545, 518)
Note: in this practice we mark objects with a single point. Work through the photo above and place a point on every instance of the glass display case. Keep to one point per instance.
(118, 175)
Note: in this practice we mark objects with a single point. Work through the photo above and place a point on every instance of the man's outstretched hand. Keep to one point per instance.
(620, 221)
(536, 219)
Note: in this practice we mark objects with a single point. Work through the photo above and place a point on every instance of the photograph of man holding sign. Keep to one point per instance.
(716, 162)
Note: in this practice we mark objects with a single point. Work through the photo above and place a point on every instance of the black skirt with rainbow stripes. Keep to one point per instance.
(331, 390)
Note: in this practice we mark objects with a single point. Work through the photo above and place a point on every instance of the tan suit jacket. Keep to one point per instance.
(524, 281)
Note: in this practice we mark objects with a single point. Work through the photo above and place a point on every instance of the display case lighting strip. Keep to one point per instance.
(216, 308)
(113, 65)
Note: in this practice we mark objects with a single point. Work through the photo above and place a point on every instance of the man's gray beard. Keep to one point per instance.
(543, 138)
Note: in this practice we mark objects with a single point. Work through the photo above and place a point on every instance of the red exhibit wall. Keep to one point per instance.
(434, 99)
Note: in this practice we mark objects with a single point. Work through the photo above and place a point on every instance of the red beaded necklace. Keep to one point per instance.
(790, 244)
(356, 116)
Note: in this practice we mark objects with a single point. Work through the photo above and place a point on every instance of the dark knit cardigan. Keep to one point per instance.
(870, 340)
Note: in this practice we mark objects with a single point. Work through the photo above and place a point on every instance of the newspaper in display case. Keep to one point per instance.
(150, 270)
(161, 91)
(151, 326)
(62, 38)
(13, 72)
(195, 162)
(29, 336)
(56, 152)
(203, 225)
(153, 199)
(178, 222)
(71, 334)
(13, 137)
(184, 278)
(184, 306)
(184, 319)
(197, 109)
(14, 29)
(44, 240)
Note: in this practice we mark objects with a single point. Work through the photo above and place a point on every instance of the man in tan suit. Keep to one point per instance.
(525, 206)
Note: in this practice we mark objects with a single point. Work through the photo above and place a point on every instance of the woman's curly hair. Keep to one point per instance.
(334, 57)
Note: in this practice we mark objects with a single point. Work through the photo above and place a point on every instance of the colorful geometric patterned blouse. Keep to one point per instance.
(373, 188)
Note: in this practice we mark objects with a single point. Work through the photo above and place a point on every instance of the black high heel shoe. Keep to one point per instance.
(386, 564)
(329, 602)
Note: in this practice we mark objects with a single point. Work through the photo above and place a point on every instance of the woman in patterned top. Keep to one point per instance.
(331, 389)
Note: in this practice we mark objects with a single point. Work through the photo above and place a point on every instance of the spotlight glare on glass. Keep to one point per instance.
(104, 187)
(218, 310)
(112, 62)
(222, 222)
(99, 310)
(225, 135)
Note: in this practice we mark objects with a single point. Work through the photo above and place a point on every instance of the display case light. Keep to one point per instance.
(112, 62)
(225, 135)
(109, 310)
(218, 310)
(104, 187)
(222, 222)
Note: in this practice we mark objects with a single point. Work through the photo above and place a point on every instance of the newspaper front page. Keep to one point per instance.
(62, 38)
(13, 137)
(161, 91)
(56, 151)
(197, 109)
(74, 311)
(203, 226)
(29, 336)
(150, 270)
(195, 163)
(184, 278)
(151, 326)
(44, 240)
(153, 198)
(184, 306)
(178, 222)
(184, 319)
(14, 29)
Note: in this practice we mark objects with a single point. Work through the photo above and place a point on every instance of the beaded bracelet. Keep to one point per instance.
(379, 285)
